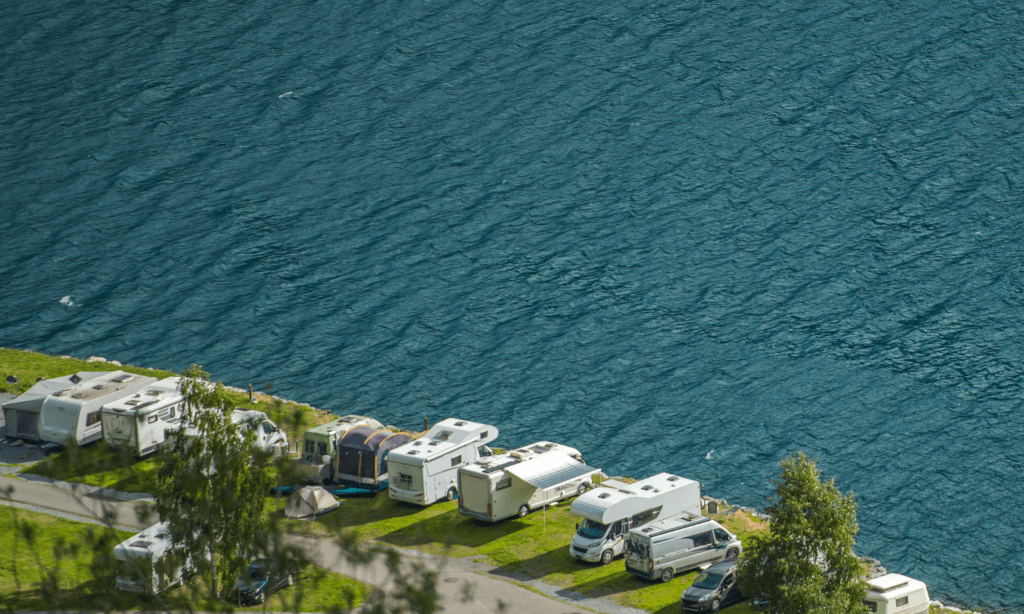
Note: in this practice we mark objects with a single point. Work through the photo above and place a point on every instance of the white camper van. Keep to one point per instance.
(896, 594)
(320, 447)
(138, 562)
(267, 433)
(74, 413)
(138, 422)
(426, 470)
(522, 480)
(663, 548)
(611, 510)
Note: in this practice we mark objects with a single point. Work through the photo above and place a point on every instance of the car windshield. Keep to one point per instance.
(592, 530)
(707, 580)
(257, 571)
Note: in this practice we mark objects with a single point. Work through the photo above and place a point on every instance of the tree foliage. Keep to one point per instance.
(806, 563)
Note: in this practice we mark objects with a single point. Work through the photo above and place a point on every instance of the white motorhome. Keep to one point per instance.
(611, 510)
(514, 483)
(426, 470)
(896, 594)
(140, 567)
(138, 422)
(74, 413)
(22, 413)
(267, 433)
(320, 447)
(663, 548)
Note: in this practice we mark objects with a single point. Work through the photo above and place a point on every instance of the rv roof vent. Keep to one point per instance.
(132, 402)
(519, 453)
(123, 378)
(414, 451)
(543, 447)
(59, 393)
(460, 423)
(163, 535)
(75, 379)
(603, 495)
(648, 487)
(417, 443)
(443, 435)
(153, 393)
(434, 443)
(99, 386)
(673, 478)
(80, 395)
(140, 544)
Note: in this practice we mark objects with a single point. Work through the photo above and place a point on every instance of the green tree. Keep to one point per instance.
(805, 564)
(212, 485)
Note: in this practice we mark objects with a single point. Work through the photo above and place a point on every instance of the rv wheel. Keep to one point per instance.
(666, 575)
(451, 494)
(715, 605)
(732, 553)
(582, 489)
(606, 557)
(523, 511)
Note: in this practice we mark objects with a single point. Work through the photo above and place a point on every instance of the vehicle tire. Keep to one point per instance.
(715, 605)
(289, 580)
(666, 575)
(606, 557)
(450, 495)
(524, 510)
(582, 488)
(732, 554)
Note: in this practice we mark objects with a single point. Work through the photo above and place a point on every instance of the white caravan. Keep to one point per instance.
(426, 470)
(896, 594)
(522, 480)
(74, 413)
(267, 433)
(139, 567)
(22, 413)
(610, 511)
(320, 447)
(138, 422)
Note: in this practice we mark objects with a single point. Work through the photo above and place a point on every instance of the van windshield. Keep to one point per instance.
(592, 530)
(707, 580)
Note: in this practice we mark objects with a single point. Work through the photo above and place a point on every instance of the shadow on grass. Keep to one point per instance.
(97, 465)
(450, 529)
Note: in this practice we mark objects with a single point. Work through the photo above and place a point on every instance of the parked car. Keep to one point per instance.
(262, 579)
(714, 589)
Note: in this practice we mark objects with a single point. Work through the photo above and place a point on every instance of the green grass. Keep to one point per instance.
(24, 570)
(27, 366)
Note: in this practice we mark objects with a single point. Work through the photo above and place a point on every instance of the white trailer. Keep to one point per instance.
(426, 470)
(267, 433)
(610, 511)
(522, 480)
(320, 447)
(896, 594)
(74, 414)
(138, 422)
(140, 564)
(22, 413)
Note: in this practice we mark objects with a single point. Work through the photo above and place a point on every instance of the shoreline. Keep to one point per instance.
(8, 468)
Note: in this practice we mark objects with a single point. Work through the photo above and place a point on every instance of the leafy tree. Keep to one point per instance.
(806, 564)
(212, 486)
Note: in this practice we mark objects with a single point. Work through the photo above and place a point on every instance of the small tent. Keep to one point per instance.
(310, 502)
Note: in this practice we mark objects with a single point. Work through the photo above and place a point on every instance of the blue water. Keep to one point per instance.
(649, 230)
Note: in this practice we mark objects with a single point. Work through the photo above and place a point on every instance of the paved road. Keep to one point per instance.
(457, 578)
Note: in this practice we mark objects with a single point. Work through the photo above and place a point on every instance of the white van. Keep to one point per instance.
(267, 434)
(522, 480)
(74, 413)
(320, 447)
(138, 567)
(663, 548)
(896, 594)
(611, 510)
(138, 422)
(426, 470)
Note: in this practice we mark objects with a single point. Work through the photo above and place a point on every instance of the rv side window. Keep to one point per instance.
(92, 418)
(702, 539)
(872, 605)
(309, 447)
(721, 536)
(322, 448)
(504, 483)
(153, 418)
(269, 428)
(171, 413)
(645, 516)
(902, 601)
(457, 461)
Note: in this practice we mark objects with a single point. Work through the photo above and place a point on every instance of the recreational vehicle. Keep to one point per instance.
(138, 422)
(426, 470)
(74, 413)
(896, 594)
(267, 434)
(140, 564)
(663, 548)
(22, 413)
(363, 457)
(611, 510)
(320, 447)
(522, 480)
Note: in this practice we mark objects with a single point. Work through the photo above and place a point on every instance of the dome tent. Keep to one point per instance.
(309, 502)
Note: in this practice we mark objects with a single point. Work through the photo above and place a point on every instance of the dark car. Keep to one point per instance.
(262, 579)
(714, 589)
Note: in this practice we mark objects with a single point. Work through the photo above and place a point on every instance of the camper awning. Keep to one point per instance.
(549, 469)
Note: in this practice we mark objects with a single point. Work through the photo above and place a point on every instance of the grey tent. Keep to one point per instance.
(22, 413)
(309, 502)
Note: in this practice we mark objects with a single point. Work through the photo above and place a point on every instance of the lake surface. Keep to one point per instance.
(680, 236)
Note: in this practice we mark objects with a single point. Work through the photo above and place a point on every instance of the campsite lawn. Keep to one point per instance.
(24, 568)
(535, 547)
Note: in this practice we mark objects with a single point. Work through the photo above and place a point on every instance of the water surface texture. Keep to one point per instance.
(683, 236)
